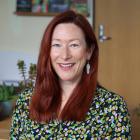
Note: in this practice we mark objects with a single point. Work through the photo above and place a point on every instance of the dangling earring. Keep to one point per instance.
(88, 68)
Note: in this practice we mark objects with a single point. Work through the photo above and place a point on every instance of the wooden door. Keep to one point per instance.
(119, 63)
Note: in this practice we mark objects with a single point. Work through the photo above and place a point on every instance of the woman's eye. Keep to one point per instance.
(74, 45)
(56, 45)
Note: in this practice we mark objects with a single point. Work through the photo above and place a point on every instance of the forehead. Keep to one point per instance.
(67, 31)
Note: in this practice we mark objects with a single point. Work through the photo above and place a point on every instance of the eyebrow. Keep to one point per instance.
(68, 40)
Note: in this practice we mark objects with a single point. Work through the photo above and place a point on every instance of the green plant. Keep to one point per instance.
(7, 92)
(8, 99)
(28, 77)
(22, 68)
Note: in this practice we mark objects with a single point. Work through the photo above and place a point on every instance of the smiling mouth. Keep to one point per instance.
(66, 66)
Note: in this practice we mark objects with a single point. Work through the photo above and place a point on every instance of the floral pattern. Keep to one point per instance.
(107, 119)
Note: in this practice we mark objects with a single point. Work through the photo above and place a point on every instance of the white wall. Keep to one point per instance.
(20, 38)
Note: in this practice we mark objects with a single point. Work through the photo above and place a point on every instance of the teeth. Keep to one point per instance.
(66, 65)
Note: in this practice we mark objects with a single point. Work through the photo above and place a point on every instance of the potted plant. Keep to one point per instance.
(7, 100)
(28, 77)
(8, 94)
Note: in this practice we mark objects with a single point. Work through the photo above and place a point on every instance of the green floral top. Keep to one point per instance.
(107, 119)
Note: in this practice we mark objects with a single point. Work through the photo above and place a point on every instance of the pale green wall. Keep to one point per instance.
(20, 33)
(20, 38)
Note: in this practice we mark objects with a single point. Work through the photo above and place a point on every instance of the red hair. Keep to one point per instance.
(47, 94)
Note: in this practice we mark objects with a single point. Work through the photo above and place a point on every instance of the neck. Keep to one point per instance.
(67, 89)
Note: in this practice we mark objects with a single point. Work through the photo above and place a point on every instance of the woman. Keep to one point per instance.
(66, 102)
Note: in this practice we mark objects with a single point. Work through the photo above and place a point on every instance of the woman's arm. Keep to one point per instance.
(119, 120)
(18, 118)
(16, 126)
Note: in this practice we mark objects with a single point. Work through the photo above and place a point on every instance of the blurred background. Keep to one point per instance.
(117, 27)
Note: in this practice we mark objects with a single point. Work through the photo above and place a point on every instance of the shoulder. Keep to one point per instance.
(26, 94)
(112, 109)
(24, 98)
(108, 101)
(105, 95)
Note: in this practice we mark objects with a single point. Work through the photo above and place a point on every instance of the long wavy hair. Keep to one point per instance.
(47, 93)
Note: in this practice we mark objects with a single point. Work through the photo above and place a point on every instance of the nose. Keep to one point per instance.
(65, 53)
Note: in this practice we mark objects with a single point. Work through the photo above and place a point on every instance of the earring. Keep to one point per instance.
(88, 67)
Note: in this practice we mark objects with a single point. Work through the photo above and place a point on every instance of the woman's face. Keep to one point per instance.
(69, 52)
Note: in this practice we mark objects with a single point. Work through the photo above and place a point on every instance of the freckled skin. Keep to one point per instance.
(68, 52)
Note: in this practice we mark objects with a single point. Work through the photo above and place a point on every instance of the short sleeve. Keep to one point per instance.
(19, 115)
(119, 119)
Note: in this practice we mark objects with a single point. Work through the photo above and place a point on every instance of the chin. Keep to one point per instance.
(66, 79)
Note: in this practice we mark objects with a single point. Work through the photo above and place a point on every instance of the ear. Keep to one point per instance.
(89, 52)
